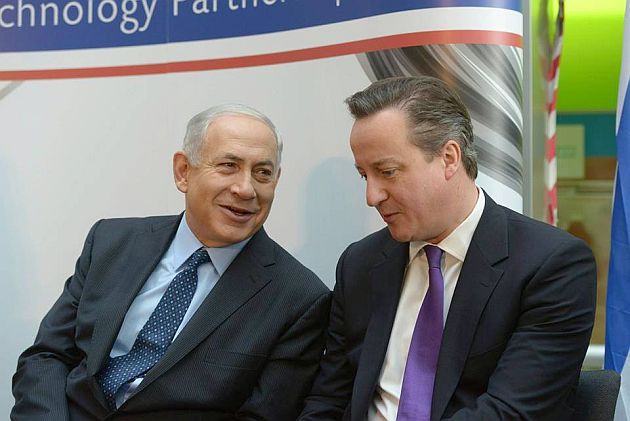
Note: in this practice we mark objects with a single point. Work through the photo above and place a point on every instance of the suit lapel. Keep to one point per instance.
(247, 275)
(146, 251)
(478, 278)
(386, 279)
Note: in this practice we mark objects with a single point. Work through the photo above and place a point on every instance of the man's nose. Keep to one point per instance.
(375, 194)
(243, 186)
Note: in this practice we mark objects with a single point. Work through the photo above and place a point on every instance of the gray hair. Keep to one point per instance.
(199, 124)
(435, 113)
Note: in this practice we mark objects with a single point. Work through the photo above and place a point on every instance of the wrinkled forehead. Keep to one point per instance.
(241, 136)
(232, 126)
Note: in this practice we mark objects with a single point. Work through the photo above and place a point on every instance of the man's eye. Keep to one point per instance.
(227, 166)
(264, 171)
(389, 172)
(263, 174)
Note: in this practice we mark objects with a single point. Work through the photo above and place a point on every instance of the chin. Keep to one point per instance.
(239, 236)
(401, 237)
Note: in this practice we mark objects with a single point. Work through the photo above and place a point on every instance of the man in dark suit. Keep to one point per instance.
(197, 316)
(461, 309)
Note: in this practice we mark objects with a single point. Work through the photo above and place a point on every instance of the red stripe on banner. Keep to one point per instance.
(554, 196)
(374, 44)
(552, 203)
(555, 64)
(551, 74)
(550, 152)
(551, 107)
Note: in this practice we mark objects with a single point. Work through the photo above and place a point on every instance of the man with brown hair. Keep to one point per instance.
(460, 309)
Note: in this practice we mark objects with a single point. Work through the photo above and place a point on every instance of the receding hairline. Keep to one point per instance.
(198, 126)
(224, 114)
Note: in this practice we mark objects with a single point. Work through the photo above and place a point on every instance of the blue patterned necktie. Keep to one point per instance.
(157, 333)
(417, 388)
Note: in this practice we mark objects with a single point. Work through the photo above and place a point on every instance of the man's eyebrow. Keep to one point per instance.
(237, 158)
(384, 161)
(232, 157)
(379, 163)
(266, 162)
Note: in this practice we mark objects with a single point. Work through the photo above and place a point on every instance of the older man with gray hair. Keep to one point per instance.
(196, 316)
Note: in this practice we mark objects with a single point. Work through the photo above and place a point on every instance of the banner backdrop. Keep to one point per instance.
(95, 96)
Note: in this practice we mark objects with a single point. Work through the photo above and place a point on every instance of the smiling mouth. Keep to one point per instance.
(238, 211)
(387, 217)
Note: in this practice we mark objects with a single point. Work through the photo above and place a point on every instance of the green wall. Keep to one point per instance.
(591, 55)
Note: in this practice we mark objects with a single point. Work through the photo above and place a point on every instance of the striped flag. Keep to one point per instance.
(551, 165)
(618, 300)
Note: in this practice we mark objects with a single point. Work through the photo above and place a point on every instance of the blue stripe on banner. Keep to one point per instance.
(618, 298)
(39, 25)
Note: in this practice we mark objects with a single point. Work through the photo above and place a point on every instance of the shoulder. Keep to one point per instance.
(539, 241)
(136, 223)
(126, 226)
(520, 230)
(537, 233)
(116, 232)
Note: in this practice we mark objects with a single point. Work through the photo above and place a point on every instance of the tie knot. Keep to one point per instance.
(199, 257)
(434, 254)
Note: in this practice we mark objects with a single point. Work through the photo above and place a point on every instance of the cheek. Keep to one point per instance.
(405, 198)
(209, 190)
(265, 195)
(419, 206)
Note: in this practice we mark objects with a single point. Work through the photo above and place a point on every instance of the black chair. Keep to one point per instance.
(596, 395)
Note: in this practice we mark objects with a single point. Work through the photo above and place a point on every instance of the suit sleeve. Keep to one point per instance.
(39, 383)
(536, 375)
(291, 367)
(332, 390)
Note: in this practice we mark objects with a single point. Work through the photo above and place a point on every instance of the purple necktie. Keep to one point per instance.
(417, 387)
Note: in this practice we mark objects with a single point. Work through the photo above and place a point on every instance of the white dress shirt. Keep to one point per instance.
(183, 245)
(384, 407)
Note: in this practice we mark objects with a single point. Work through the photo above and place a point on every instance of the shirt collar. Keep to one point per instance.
(185, 243)
(457, 242)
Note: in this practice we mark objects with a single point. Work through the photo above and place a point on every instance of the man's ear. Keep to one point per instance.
(181, 171)
(278, 175)
(452, 156)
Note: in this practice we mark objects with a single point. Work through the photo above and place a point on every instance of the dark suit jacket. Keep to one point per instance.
(515, 336)
(249, 352)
